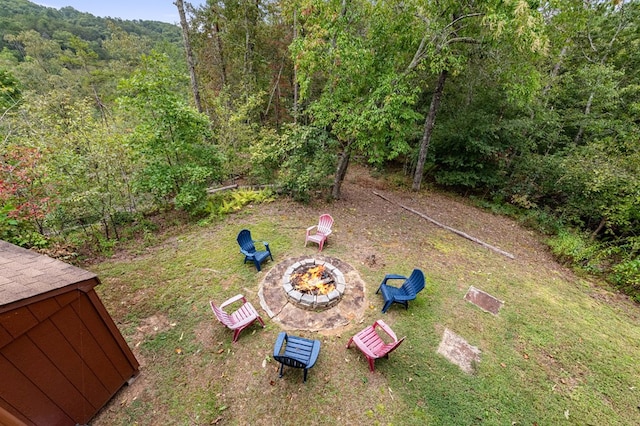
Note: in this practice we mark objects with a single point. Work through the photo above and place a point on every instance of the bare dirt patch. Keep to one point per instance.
(151, 326)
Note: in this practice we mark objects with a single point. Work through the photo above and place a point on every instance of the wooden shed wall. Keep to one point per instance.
(62, 358)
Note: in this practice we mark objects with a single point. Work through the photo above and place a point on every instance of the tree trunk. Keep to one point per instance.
(223, 64)
(276, 88)
(428, 130)
(190, 61)
(345, 156)
(295, 70)
(587, 111)
(101, 106)
(250, 23)
(552, 77)
(601, 225)
(556, 69)
(341, 171)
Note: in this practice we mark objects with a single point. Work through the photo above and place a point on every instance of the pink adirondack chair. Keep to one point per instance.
(322, 231)
(371, 343)
(238, 320)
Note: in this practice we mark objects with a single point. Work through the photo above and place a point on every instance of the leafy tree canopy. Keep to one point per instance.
(17, 16)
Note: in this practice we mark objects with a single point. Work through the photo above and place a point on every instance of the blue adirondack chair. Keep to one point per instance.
(297, 352)
(408, 291)
(248, 248)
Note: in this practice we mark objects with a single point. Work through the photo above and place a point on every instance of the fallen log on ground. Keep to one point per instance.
(448, 228)
(223, 188)
(243, 187)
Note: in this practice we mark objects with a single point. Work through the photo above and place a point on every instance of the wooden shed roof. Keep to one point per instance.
(25, 274)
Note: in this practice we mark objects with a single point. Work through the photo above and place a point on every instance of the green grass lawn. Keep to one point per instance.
(561, 350)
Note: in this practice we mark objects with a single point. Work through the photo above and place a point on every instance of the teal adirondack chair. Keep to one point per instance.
(296, 352)
(403, 294)
(248, 248)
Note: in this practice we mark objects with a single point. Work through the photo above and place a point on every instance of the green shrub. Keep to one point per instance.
(179, 157)
(542, 221)
(573, 248)
(626, 275)
(19, 232)
(496, 205)
(301, 160)
(223, 204)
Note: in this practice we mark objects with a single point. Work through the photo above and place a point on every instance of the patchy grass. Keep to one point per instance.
(561, 351)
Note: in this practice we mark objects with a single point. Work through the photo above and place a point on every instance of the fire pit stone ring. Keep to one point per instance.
(292, 316)
(313, 284)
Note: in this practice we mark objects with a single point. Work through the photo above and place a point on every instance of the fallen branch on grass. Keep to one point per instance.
(455, 231)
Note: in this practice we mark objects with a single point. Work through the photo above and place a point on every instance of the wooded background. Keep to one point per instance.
(530, 107)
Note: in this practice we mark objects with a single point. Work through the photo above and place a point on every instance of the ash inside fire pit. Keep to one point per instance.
(313, 284)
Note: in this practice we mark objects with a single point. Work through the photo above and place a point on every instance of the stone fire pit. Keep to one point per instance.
(293, 315)
(313, 284)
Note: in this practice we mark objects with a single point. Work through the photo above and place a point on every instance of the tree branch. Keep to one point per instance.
(460, 18)
(469, 40)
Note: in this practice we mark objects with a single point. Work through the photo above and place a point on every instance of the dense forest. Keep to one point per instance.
(531, 108)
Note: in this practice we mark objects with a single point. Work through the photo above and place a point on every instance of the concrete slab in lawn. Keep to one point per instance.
(483, 300)
(458, 351)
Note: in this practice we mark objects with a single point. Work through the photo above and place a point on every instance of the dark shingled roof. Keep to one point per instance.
(24, 274)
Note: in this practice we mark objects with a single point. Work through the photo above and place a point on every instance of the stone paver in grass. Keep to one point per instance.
(483, 300)
(458, 351)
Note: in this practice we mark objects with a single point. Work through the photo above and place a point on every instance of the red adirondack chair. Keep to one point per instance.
(238, 320)
(322, 231)
(371, 343)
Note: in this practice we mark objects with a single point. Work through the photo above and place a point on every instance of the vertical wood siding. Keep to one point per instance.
(61, 360)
